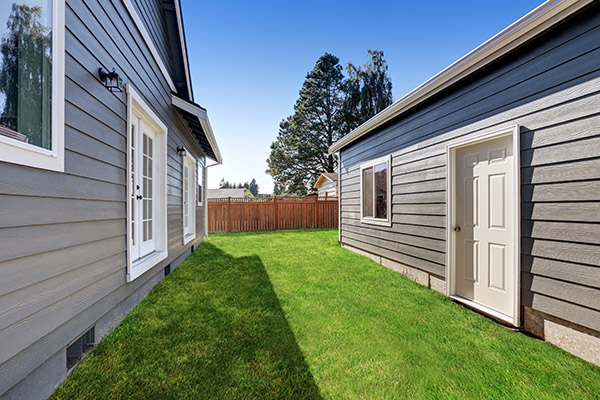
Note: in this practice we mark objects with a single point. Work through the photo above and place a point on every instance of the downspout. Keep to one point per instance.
(206, 199)
(338, 192)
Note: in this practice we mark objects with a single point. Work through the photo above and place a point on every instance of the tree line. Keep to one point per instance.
(330, 105)
(251, 187)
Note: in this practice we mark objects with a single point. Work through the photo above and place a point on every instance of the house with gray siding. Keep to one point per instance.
(483, 183)
(103, 158)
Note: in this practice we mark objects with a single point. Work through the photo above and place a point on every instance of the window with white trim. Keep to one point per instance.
(375, 190)
(32, 83)
(189, 198)
(200, 174)
(147, 200)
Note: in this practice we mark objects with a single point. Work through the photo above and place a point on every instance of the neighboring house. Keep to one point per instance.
(484, 182)
(225, 193)
(101, 192)
(327, 184)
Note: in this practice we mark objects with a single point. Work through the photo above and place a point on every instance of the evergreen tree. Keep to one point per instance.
(253, 187)
(277, 190)
(300, 153)
(329, 106)
(368, 90)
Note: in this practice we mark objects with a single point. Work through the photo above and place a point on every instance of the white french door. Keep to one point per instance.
(143, 205)
(189, 201)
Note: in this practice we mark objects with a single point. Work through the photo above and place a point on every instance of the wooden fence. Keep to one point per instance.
(234, 214)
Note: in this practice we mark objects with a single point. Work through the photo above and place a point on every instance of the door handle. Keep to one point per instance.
(139, 197)
(457, 228)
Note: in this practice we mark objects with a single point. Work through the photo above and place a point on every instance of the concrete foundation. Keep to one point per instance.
(578, 340)
(422, 277)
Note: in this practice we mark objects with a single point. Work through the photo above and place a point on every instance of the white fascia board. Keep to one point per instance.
(189, 107)
(529, 26)
(142, 29)
(211, 139)
(204, 122)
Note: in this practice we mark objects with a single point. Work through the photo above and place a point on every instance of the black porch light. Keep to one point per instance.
(111, 80)
(181, 151)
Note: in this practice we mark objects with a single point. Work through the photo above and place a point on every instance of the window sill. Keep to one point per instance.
(144, 264)
(373, 221)
(188, 238)
(16, 152)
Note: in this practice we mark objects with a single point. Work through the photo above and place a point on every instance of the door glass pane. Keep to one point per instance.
(133, 190)
(26, 71)
(381, 190)
(185, 196)
(367, 192)
(147, 192)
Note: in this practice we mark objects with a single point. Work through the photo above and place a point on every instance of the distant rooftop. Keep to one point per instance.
(224, 193)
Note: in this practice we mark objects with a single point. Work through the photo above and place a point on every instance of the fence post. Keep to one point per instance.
(276, 213)
(228, 214)
(316, 201)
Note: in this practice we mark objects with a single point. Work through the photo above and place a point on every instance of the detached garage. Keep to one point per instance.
(484, 182)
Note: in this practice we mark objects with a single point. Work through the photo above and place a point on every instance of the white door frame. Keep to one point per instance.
(190, 233)
(451, 220)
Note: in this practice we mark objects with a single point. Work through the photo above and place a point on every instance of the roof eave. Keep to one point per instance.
(201, 114)
(529, 26)
(181, 30)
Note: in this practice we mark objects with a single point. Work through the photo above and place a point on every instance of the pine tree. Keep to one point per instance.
(329, 106)
(300, 153)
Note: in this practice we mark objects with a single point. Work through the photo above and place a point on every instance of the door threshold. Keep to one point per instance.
(485, 310)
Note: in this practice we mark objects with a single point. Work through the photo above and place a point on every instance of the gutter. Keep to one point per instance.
(529, 26)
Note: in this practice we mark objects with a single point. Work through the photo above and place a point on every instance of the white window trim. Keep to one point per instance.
(200, 177)
(16, 152)
(373, 220)
(137, 268)
(192, 234)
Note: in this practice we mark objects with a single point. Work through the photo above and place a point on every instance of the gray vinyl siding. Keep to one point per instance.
(63, 235)
(551, 87)
(151, 14)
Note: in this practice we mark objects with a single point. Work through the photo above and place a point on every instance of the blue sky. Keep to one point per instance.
(248, 59)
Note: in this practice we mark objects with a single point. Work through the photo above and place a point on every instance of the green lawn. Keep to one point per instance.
(292, 315)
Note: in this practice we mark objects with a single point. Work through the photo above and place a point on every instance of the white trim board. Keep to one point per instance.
(529, 26)
(137, 268)
(142, 29)
(373, 220)
(514, 131)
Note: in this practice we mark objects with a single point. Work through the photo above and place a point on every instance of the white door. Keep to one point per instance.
(485, 268)
(143, 193)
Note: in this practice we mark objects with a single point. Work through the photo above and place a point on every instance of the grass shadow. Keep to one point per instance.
(214, 329)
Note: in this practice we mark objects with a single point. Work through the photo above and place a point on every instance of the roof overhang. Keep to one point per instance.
(181, 32)
(197, 120)
(531, 25)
